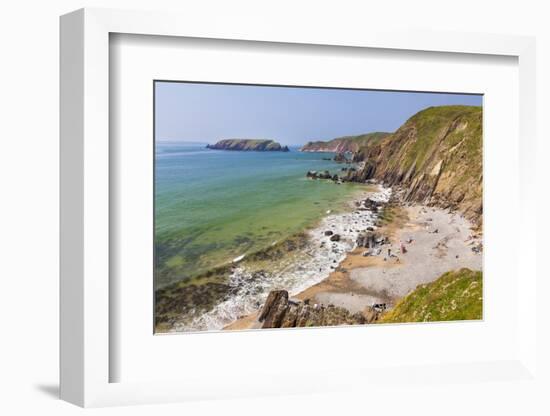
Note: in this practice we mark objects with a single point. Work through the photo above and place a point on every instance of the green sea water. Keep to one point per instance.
(212, 206)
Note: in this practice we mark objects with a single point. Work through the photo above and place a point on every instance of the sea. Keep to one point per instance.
(213, 206)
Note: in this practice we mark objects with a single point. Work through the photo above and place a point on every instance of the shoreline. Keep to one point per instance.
(296, 272)
(359, 220)
(296, 263)
(359, 282)
(312, 268)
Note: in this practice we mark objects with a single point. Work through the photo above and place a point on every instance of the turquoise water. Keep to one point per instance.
(212, 206)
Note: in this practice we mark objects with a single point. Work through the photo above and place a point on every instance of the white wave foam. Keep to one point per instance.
(314, 264)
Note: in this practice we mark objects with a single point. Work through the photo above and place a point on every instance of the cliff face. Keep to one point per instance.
(248, 145)
(436, 156)
(343, 144)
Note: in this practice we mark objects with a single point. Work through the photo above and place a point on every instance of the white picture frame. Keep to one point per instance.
(85, 204)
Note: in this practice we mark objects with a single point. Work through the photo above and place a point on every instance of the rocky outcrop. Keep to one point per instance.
(313, 174)
(369, 239)
(341, 158)
(248, 145)
(279, 311)
(343, 144)
(180, 303)
(187, 300)
(436, 157)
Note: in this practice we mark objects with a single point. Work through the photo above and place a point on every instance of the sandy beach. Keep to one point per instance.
(435, 241)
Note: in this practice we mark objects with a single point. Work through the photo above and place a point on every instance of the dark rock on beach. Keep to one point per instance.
(275, 309)
(281, 312)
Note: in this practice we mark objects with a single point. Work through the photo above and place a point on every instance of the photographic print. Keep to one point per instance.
(292, 207)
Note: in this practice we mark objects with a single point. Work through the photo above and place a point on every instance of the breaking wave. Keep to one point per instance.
(312, 265)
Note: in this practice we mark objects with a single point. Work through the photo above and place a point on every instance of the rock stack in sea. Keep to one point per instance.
(313, 174)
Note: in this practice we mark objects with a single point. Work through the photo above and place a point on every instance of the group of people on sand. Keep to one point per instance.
(402, 249)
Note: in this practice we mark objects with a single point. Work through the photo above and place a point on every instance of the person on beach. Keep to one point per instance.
(403, 249)
(389, 252)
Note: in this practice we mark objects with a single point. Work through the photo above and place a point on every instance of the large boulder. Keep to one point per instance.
(274, 309)
(368, 239)
(281, 312)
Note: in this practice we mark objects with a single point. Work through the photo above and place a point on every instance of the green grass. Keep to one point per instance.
(356, 142)
(431, 124)
(455, 296)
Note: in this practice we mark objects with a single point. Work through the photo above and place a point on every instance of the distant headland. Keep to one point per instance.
(344, 144)
(248, 145)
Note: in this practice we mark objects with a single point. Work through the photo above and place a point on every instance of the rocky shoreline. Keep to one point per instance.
(350, 269)
(293, 265)
(408, 247)
(356, 230)
(280, 311)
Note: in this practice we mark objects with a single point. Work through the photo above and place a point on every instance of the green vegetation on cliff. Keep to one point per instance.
(248, 145)
(455, 296)
(436, 156)
(343, 144)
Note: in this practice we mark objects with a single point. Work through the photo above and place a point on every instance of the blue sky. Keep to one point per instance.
(292, 116)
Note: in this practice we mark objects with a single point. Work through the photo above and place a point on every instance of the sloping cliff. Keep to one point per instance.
(455, 296)
(248, 145)
(436, 157)
(343, 144)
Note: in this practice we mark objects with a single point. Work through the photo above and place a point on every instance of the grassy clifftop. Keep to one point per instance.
(343, 144)
(456, 295)
(248, 145)
(436, 156)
